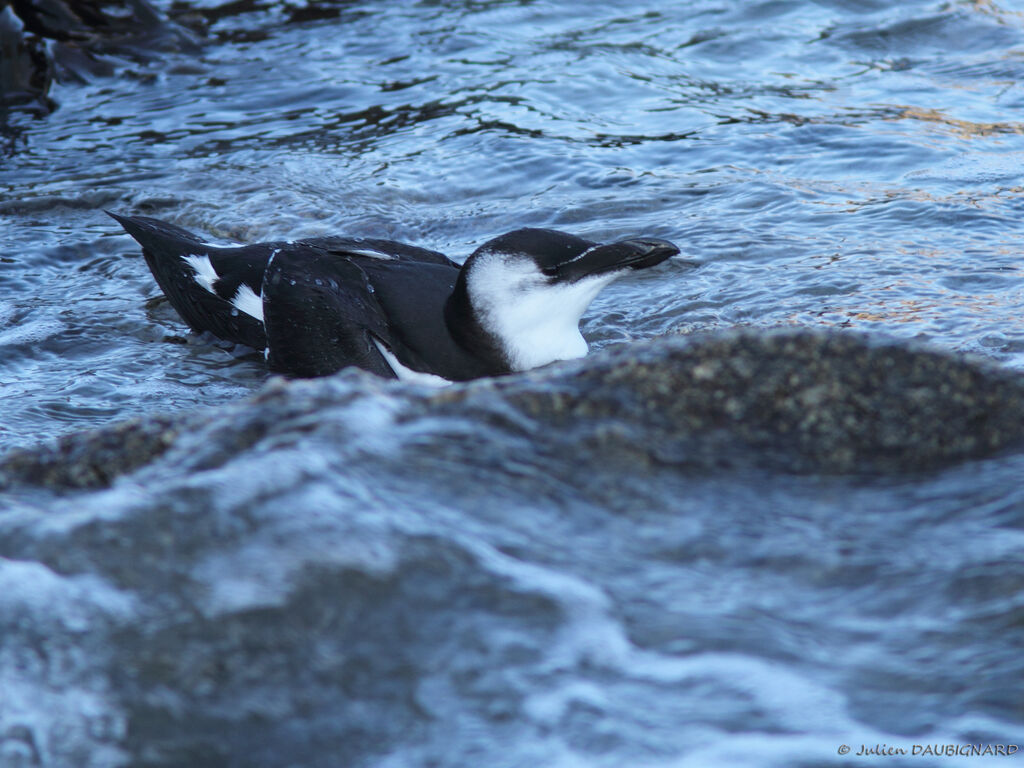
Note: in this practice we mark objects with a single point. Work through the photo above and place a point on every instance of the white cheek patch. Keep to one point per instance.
(205, 274)
(535, 320)
(247, 301)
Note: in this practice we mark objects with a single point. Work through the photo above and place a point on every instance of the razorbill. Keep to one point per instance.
(316, 306)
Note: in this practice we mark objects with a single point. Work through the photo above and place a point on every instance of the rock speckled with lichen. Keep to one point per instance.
(791, 401)
(94, 458)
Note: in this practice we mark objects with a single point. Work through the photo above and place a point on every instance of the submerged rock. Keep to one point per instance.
(793, 402)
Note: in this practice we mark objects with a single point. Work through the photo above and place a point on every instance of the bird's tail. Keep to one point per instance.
(149, 232)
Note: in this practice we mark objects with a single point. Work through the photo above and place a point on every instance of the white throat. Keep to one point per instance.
(535, 321)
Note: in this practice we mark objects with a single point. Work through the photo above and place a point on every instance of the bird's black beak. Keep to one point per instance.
(634, 253)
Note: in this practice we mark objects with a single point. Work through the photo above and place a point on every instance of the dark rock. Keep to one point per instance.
(790, 401)
(26, 69)
(91, 459)
(43, 40)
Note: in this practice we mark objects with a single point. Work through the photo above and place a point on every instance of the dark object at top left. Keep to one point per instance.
(44, 40)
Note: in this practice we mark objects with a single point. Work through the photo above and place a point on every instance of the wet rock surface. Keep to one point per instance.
(92, 459)
(794, 402)
(798, 402)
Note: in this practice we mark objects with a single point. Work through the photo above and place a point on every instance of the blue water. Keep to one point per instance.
(830, 164)
(824, 164)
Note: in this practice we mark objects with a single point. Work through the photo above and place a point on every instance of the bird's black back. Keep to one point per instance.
(324, 300)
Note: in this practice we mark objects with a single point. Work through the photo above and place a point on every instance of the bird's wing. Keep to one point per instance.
(320, 314)
(360, 248)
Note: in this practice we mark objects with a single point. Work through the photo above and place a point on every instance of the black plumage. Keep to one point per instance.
(321, 304)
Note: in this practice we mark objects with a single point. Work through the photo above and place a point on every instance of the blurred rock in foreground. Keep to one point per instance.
(558, 568)
(790, 402)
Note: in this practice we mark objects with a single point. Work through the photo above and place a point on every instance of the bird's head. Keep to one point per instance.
(529, 288)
